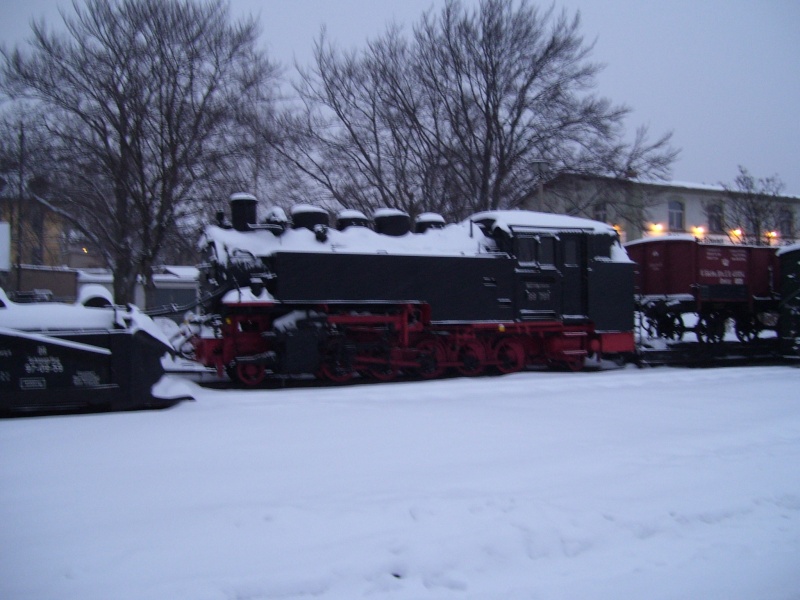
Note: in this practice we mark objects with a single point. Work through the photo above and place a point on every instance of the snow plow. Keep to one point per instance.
(57, 358)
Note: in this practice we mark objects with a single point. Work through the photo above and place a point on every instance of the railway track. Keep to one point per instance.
(726, 353)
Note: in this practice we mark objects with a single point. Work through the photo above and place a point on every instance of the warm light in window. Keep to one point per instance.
(618, 228)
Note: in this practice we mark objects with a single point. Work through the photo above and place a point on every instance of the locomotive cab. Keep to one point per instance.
(569, 269)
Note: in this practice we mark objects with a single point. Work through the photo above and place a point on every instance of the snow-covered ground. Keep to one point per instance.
(648, 484)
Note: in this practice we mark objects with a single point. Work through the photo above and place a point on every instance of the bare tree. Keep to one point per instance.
(354, 139)
(753, 206)
(460, 118)
(149, 103)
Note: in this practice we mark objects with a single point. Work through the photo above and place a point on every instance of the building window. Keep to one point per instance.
(786, 223)
(600, 212)
(676, 215)
(716, 219)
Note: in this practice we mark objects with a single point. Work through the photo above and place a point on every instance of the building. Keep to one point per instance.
(43, 237)
(640, 209)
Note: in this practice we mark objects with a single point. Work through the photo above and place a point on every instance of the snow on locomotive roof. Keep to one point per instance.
(454, 240)
(459, 239)
(508, 219)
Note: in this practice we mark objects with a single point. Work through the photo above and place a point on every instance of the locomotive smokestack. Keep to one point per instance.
(243, 211)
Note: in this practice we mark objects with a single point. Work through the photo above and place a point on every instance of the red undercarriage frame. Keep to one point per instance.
(382, 343)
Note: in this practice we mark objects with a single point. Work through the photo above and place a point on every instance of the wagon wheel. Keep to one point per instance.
(510, 356)
(746, 327)
(248, 373)
(471, 359)
(651, 327)
(710, 328)
(337, 364)
(432, 357)
(670, 326)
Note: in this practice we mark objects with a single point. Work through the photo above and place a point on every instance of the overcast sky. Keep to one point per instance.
(723, 75)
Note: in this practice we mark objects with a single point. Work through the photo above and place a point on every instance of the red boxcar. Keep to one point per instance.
(677, 275)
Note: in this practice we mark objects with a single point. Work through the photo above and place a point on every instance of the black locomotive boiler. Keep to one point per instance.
(502, 290)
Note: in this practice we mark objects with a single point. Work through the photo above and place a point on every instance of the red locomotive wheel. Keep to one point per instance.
(250, 374)
(336, 370)
(381, 371)
(471, 358)
(337, 364)
(510, 356)
(432, 359)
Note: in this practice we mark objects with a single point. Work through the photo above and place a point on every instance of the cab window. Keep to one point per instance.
(539, 250)
(570, 252)
(526, 249)
(547, 251)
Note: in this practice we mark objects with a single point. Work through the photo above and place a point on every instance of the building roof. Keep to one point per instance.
(684, 185)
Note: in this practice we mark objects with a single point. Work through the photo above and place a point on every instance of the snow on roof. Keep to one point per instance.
(687, 185)
(709, 187)
(181, 272)
(57, 317)
(453, 240)
(95, 276)
(53, 316)
(508, 219)
(787, 249)
(457, 239)
(673, 237)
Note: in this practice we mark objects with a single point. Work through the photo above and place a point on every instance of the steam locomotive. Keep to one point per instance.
(293, 296)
